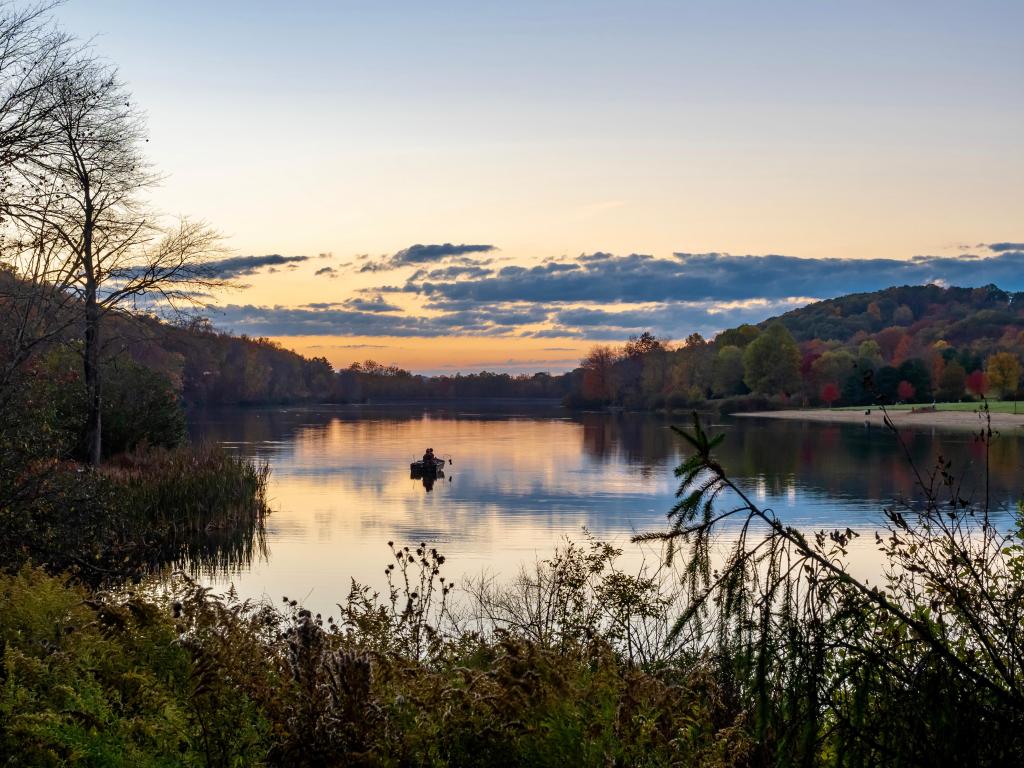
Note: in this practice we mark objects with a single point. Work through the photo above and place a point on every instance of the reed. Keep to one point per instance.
(197, 508)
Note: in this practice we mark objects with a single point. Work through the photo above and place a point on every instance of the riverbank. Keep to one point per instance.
(943, 419)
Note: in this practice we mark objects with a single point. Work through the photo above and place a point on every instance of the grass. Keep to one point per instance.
(198, 508)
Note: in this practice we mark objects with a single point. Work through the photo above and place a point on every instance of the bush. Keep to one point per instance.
(140, 406)
(96, 681)
(747, 404)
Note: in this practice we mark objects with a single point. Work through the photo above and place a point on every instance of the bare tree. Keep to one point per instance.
(82, 192)
(33, 55)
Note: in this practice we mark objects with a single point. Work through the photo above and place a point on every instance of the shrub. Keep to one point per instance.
(92, 681)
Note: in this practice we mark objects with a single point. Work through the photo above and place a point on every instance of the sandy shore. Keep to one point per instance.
(1005, 422)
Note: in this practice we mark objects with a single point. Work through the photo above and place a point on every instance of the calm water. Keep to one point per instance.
(522, 478)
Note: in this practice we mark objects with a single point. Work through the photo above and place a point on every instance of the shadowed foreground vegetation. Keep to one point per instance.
(159, 503)
(763, 652)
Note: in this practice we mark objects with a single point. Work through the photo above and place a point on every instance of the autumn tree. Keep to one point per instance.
(834, 365)
(977, 383)
(771, 362)
(656, 375)
(869, 355)
(598, 368)
(738, 337)
(638, 375)
(889, 340)
(1003, 371)
(905, 390)
(692, 370)
(952, 381)
(903, 315)
(830, 393)
(83, 190)
(918, 375)
(644, 344)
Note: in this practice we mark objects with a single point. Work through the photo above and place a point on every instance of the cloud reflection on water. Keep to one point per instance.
(520, 482)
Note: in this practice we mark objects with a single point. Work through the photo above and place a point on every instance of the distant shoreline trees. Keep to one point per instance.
(910, 344)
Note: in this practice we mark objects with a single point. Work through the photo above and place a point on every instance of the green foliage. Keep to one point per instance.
(771, 362)
(140, 406)
(737, 337)
(100, 681)
(200, 508)
(194, 679)
(835, 365)
(915, 372)
(727, 372)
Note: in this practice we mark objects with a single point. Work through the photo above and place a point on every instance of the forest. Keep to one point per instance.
(911, 344)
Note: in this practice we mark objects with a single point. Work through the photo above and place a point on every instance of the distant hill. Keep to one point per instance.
(209, 367)
(930, 313)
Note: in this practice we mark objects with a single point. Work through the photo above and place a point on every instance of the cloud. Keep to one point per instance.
(451, 272)
(236, 266)
(639, 278)
(360, 317)
(376, 317)
(423, 254)
(673, 319)
(329, 271)
(376, 304)
(606, 296)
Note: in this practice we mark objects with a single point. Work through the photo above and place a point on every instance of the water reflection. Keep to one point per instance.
(341, 484)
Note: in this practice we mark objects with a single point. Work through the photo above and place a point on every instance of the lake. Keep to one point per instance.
(524, 477)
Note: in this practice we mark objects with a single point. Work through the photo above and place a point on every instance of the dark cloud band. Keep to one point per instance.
(419, 254)
(247, 265)
(638, 278)
(604, 296)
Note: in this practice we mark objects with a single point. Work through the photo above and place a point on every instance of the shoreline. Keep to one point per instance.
(1009, 422)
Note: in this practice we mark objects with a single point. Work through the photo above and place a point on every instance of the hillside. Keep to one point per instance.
(909, 344)
(208, 367)
(929, 313)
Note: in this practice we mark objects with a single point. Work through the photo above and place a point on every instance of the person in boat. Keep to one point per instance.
(428, 459)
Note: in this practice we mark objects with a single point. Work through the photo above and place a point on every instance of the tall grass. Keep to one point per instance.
(201, 509)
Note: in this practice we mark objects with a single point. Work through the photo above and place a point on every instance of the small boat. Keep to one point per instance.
(433, 467)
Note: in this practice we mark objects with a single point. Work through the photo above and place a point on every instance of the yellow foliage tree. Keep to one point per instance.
(1003, 371)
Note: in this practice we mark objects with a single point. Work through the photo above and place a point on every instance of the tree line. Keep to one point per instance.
(912, 345)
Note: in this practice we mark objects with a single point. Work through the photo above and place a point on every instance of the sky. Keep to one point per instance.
(457, 186)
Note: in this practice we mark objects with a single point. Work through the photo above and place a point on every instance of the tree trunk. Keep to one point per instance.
(94, 401)
(93, 393)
